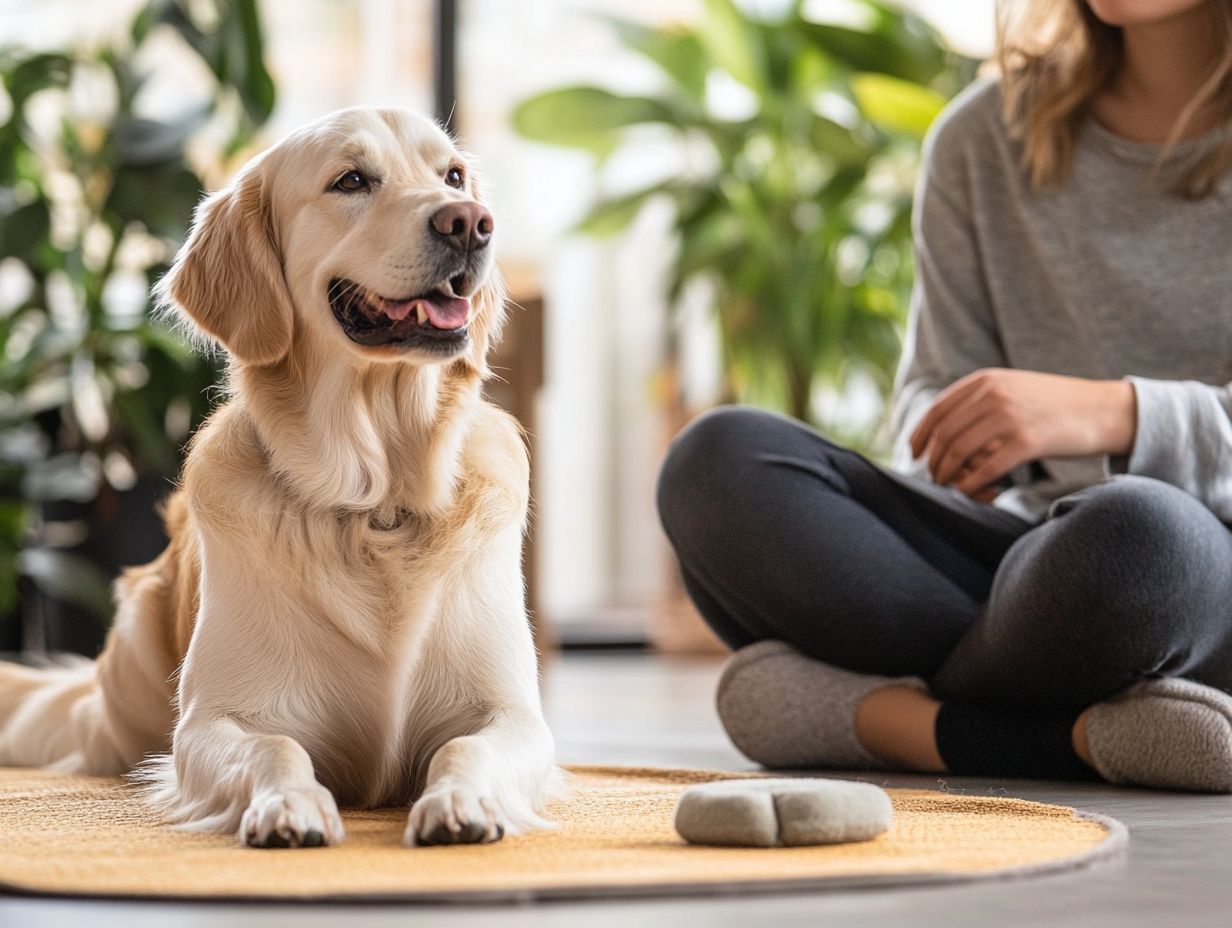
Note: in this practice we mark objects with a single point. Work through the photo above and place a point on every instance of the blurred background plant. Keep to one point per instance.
(794, 206)
(784, 136)
(99, 176)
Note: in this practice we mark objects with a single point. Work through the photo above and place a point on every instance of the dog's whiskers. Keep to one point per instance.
(349, 289)
(341, 282)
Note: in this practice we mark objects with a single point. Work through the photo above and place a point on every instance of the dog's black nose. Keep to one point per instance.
(465, 226)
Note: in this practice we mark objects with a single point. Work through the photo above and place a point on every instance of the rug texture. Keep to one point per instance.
(92, 836)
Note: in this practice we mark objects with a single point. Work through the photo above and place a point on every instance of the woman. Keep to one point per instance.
(1048, 590)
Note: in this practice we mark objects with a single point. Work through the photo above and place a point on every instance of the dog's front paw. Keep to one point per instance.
(303, 817)
(454, 816)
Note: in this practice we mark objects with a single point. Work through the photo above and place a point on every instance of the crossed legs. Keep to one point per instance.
(782, 534)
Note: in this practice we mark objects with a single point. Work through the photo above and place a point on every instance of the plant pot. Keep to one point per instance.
(122, 529)
(10, 630)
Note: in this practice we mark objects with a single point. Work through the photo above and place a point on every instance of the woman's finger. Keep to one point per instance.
(955, 423)
(988, 494)
(953, 395)
(992, 468)
(980, 423)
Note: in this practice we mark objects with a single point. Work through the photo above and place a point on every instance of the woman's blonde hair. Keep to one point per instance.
(1055, 56)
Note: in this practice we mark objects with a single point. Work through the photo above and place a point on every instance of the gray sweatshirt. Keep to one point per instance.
(1107, 277)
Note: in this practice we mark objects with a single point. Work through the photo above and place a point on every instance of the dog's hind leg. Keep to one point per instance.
(53, 717)
(99, 716)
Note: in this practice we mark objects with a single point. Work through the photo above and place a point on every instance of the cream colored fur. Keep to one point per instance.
(339, 616)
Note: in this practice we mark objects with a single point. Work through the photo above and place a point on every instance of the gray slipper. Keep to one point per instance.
(1169, 734)
(782, 709)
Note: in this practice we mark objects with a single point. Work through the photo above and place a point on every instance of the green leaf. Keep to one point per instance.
(895, 51)
(234, 51)
(146, 19)
(714, 240)
(144, 432)
(168, 343)
(161, 197)
(140, 142)
(586, 117)
(12, 145)
(244, 44)
(676, 51)
(608, 217)
(171, 14)
(838, 142)
(734, 43)
(23, 231)
(839, 191)
(707, 234)
(896, 105)
(128, 79)
(38, 72)
(13, 516)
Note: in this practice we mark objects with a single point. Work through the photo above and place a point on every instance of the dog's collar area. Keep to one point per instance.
(436, 322)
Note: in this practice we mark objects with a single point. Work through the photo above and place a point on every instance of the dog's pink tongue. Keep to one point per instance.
(448, 312)
(398, 310)
(443, 312)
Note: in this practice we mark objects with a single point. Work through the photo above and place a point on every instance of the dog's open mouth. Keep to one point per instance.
(435, 321)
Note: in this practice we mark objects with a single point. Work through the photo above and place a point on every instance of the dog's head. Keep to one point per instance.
(361, 234)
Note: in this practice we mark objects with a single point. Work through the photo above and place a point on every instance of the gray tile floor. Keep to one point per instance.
(646, 710)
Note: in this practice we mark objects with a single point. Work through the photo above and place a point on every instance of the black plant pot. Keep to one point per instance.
(10, 630)
(123, 529)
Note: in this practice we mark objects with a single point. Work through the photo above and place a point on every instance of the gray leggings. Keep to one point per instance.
(783, 534)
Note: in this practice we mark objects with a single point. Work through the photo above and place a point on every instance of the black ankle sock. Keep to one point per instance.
(986, 741)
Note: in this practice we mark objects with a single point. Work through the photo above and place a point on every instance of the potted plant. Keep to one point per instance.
(97, 397)
(798, 212)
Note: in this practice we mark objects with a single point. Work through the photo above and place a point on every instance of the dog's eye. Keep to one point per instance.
(454, 177)
(351, 182)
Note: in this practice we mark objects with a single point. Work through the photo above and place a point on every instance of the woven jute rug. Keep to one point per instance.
(92, 836)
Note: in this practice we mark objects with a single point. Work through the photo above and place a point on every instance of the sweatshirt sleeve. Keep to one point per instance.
(951, 330)
(1184, 438)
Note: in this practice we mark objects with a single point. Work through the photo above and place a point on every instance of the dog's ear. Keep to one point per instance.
(227, 278)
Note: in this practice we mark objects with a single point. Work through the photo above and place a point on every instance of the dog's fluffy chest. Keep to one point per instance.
(370, 608)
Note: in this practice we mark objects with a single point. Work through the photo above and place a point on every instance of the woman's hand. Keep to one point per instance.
(989, 422)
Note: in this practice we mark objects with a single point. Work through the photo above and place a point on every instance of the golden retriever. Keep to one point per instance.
(339, 615)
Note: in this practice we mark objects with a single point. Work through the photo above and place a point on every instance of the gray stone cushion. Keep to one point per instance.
(782, 812)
